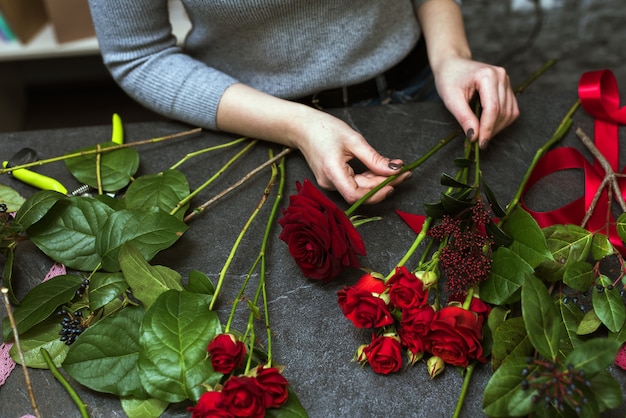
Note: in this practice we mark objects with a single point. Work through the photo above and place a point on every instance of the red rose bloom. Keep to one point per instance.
(209, 406)
(384, 354)
(361, 305)
(242, 396)
(320, 237)
(226, 352)
(476, 305)
(273, 385)
(455, 335)
(414, 326)
(406, 290)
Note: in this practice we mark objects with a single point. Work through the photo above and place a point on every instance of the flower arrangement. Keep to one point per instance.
(514, 289)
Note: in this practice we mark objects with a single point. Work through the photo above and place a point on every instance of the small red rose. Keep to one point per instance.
(209, 406)
(362, 305)
(414, 327)
(455, 335)
(406, 290)
(384, 354)
(226, 352)
(273, 385)
(320, 237)
(242, 396)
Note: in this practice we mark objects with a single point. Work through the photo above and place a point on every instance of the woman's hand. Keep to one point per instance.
(459, 79)
(326, 142)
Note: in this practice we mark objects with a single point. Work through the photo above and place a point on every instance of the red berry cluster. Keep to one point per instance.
(465, 259)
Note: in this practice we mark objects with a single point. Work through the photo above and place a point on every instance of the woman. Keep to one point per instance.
(259, 68)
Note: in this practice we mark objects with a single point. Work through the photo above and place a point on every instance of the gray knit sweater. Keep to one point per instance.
(287, 48)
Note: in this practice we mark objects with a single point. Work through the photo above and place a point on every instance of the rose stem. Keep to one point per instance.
(235, 246)
(31, 394)
(556, 137)
(55, 372)
(103, 150)
(241, 181)
(202, 151)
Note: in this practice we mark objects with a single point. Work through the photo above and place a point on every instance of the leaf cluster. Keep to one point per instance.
(146, 332)
(555, 307)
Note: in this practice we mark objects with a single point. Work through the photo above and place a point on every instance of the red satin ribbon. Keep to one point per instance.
(599, 96)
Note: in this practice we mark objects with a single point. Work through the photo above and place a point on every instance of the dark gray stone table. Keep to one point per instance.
(311, 337)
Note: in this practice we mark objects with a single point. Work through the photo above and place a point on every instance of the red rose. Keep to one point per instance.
(273, 386)
(414, 326)
(406, 290)
(476, 305)
(362, 305)
(226, 353)
(209, 406)
(242, 396)
(455, 335)
(320, 237)
(384, 354)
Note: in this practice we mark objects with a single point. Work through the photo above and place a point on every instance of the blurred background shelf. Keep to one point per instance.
(44, 44)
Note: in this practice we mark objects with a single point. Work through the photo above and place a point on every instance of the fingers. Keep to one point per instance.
(498, 102)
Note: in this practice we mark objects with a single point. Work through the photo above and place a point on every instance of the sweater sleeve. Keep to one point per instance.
(138, 48)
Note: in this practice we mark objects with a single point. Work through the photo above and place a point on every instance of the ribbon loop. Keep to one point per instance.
(599, 96)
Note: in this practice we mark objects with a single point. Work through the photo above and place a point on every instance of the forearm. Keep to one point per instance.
(246, 111)
(441, 22)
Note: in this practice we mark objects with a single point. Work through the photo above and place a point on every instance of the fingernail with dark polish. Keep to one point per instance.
(394, 166)
(470, 133)
(483, 144)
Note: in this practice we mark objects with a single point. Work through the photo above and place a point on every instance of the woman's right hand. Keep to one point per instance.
(327, 143)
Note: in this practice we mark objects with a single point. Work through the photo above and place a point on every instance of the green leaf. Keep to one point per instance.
(36, 207)
(43, 335)
(503, 386)
(593, 355)
(540, 316)
(147, 282)
(493, 202)
(510, 340)
(568, 244)
(290, 409)
(529, 241)
(609, 307)
(68, 232)
(621, 226)
(163, 190)
(143, 408)
(41, 302)
(579, 275)
(571, 317)
(105, 287)
(601, 247)
(589, 324)
(456, 202)
(11, 198)
(116, 167)
(173, 363)
(449, 181)
(150, 231)
(506, 276)
(199, 282)
(104, 357)
(606, 390)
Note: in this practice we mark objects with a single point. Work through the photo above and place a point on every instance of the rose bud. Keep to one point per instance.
(226, 353)
(435, 366)
(428, 278)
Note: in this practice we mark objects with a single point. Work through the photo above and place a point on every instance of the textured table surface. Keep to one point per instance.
(311, 337)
